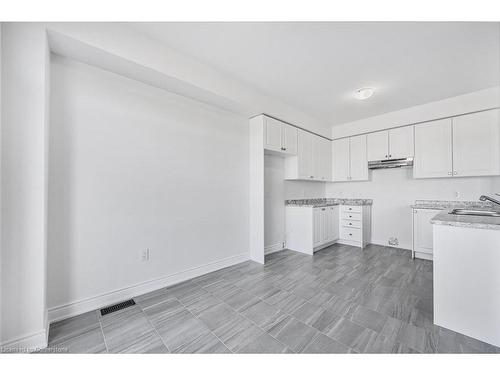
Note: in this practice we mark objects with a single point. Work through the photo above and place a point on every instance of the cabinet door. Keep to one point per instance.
(377, 145)
(357, 158)
(327, 159)
(316, 227)
(340, 159)
(289, 137)
(422, 230)
(272, 134)
(476, 144)
(401, 143)
(322, 158)
(433, 150)
(323, 223)
(305, 155)
(335, 222)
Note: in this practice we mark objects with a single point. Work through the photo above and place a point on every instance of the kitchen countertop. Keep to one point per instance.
(480, 222)
(325, 202)
(441, 205)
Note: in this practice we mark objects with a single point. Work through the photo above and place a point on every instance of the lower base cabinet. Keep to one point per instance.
(309, 229)
(422, 233)
(355, 225)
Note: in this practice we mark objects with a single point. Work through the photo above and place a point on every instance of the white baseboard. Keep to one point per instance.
(27, 343)
(423, 255)
(99, 301)
(273, 248)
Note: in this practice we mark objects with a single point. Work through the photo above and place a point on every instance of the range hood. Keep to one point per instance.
(390, 163)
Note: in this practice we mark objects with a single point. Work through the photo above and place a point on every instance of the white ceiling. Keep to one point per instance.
(316, 67)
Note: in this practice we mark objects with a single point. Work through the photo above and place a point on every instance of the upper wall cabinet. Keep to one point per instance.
(401, 144)
(461, 146)
(390, 144)
(349, 159)
(433, 150)
(280, 137)
(313, 160)
(476, 144)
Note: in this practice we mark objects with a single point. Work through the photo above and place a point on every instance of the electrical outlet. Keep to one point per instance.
(393, 241)
(145, 255)
(457, 195)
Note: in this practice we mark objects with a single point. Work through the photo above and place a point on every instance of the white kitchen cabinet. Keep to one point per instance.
(394, 143)
(313, 160)
(279, 136)
(433, 149)
(340, 159)
(401, 143)
(358, 164)
(349, 159)
(377, 145)
(322, 159)
(305, 155)
(290, 139)
(422, 233)
(476, 144)
(355, 225)
(310, 229)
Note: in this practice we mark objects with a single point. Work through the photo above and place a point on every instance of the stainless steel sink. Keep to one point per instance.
(462, 211)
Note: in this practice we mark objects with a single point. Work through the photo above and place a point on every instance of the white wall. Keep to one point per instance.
(135, 167)
(276, 191)
(23, 176)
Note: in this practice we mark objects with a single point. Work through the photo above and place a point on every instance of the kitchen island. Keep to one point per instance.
(467, 274)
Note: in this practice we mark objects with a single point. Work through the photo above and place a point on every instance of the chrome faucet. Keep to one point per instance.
(485, 198)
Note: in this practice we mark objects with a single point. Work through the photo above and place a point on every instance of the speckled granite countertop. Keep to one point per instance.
(324, 202)
(441, 205)
(480, 222)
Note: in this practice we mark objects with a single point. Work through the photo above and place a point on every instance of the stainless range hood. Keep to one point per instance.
(390, 163)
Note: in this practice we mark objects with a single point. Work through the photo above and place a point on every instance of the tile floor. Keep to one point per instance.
(341, 300)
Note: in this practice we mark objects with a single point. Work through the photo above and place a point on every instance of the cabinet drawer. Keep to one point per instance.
(351, 208)
(351, 223)
(351, 215)
(353, 234)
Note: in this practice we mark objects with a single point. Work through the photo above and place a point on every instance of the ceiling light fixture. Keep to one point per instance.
(363, 93)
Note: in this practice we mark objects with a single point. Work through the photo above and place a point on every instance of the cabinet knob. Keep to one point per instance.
(323, 209)
(449, 173)
(350, 208)
(350, 234)
(455, 172)
(350, 223)
(386, 156)
(390, 155)
(284, 148)
(312, 176)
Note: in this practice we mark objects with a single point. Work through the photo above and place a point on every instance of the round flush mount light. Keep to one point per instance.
(363, 93)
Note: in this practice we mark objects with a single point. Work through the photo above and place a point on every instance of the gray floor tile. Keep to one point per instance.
(206, 343)
(152, 298)
(72, 327)
(128, 330)
(324, 344)
(180, 329)
(371, 300)
(90, 341)
(261, 313)
(369, 318)
(264, 344)
(238, 332)
(296, 335)
(216, 316)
